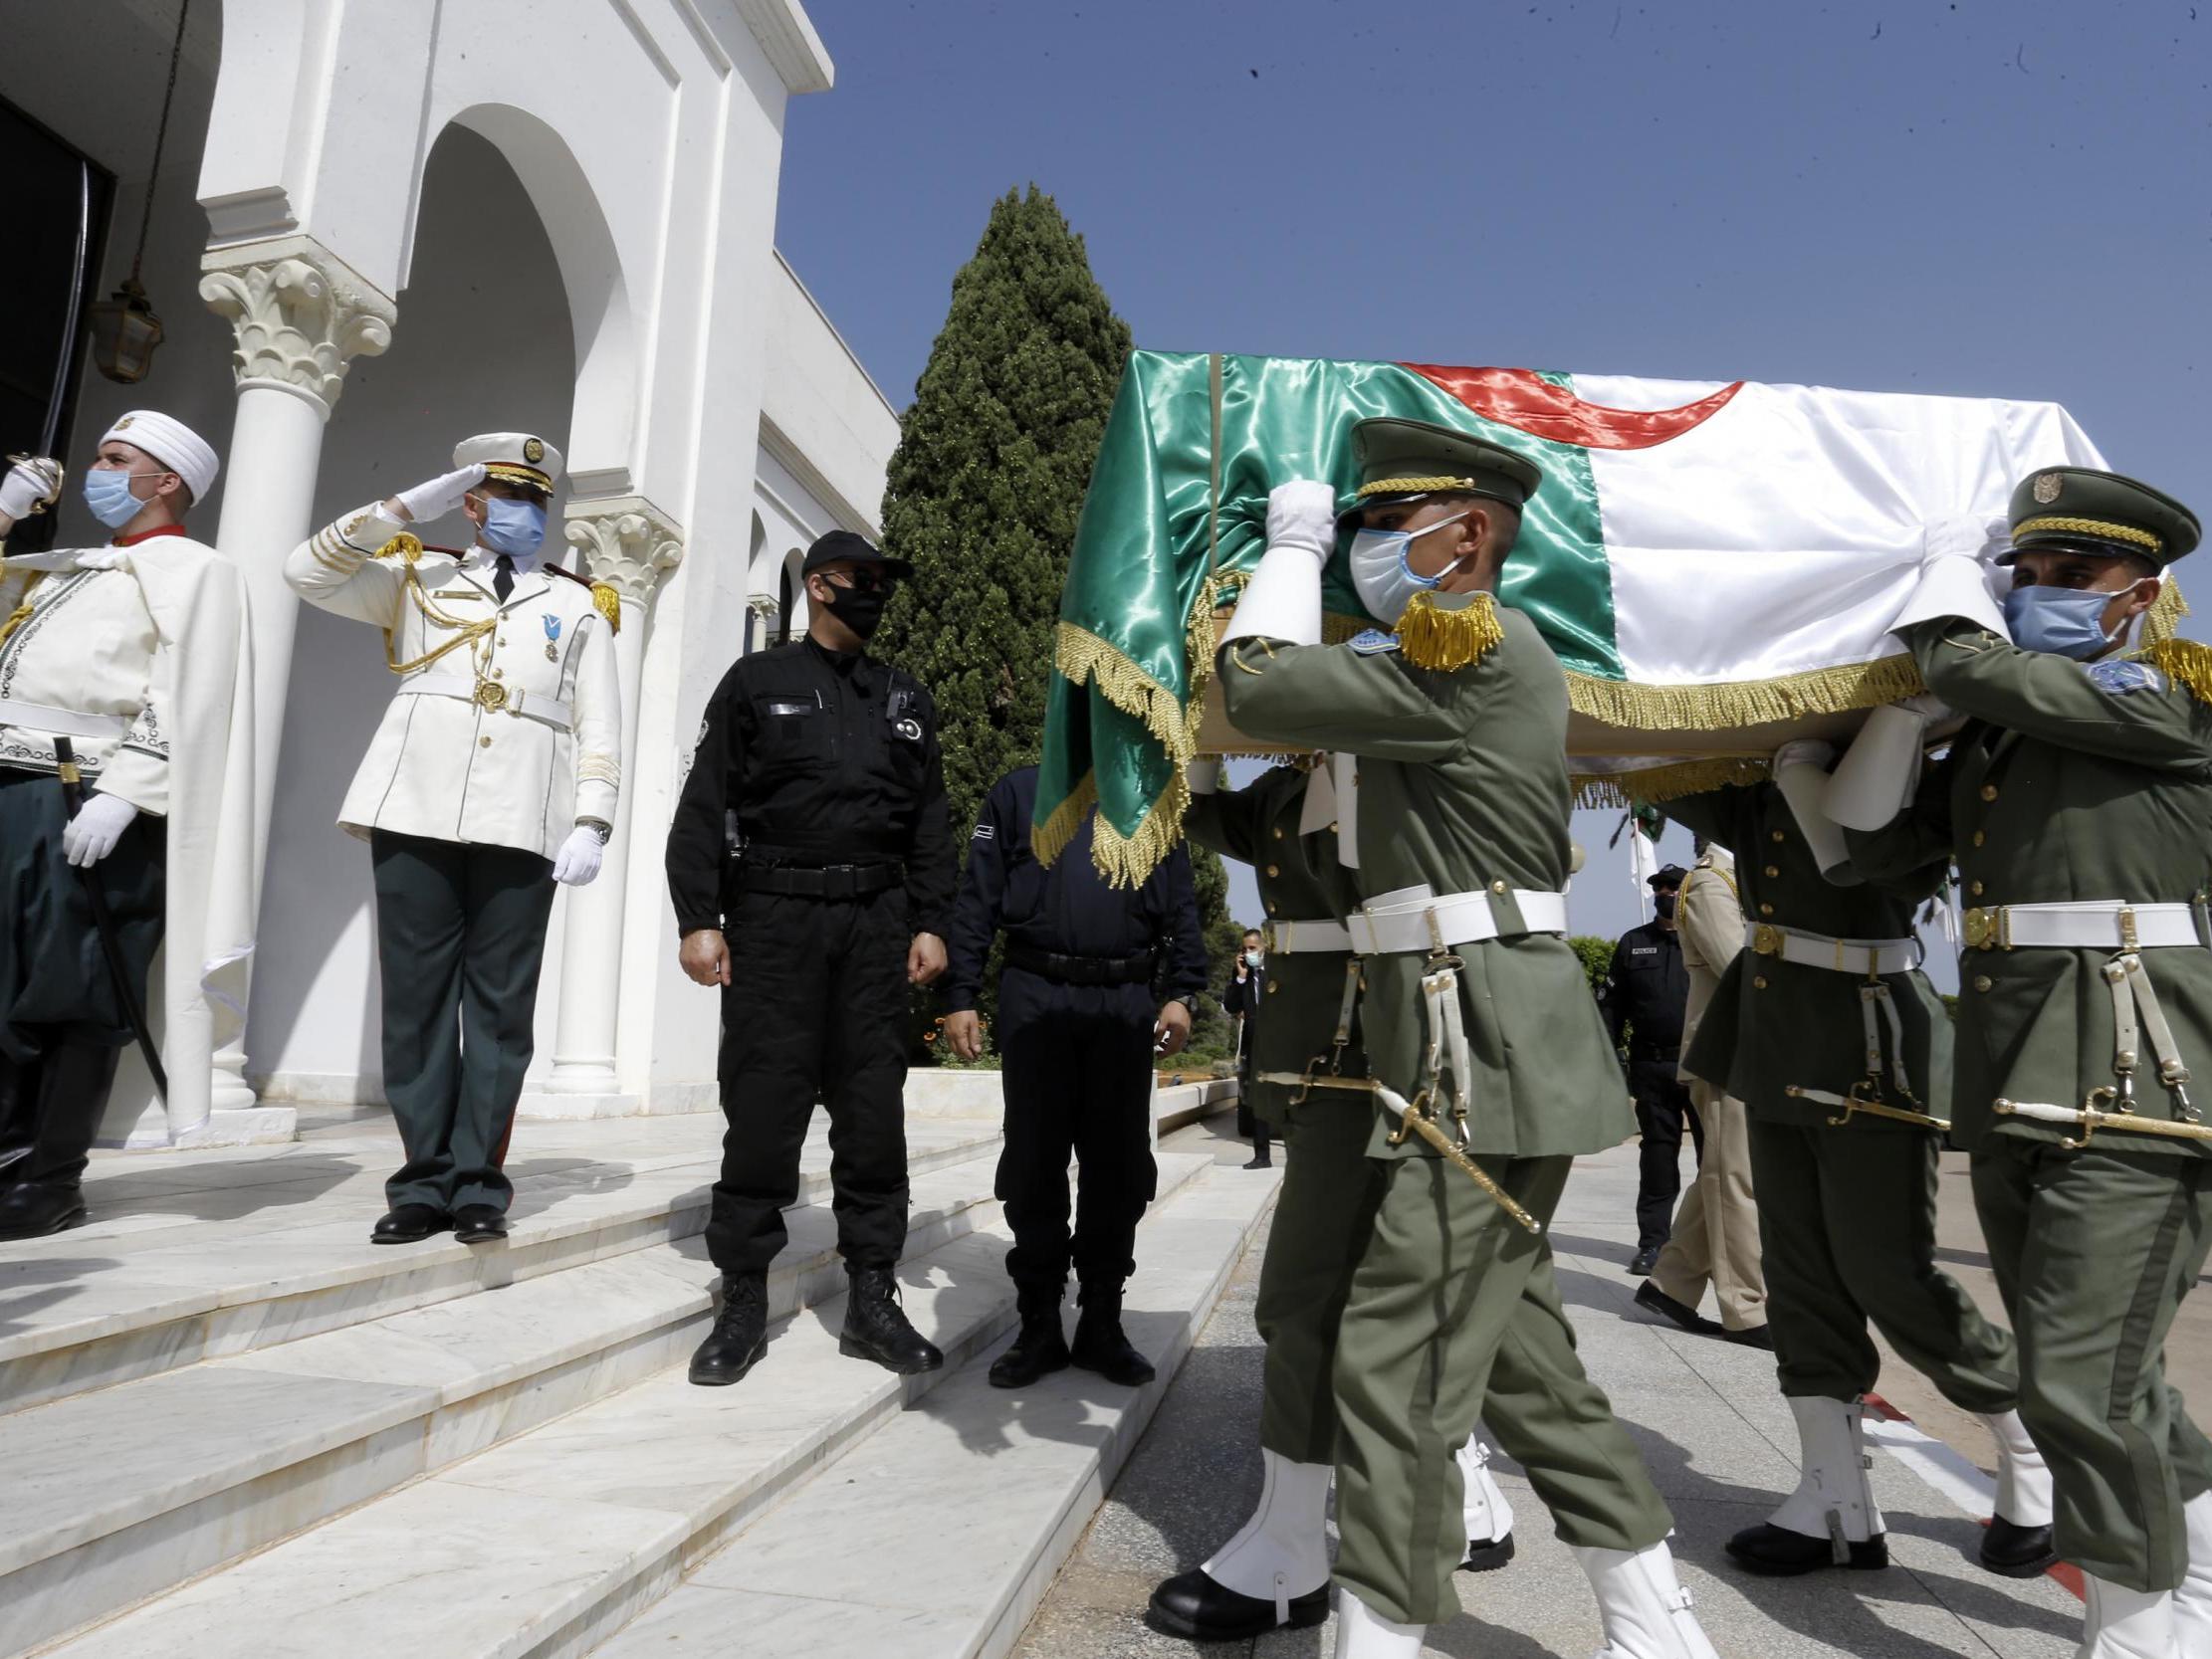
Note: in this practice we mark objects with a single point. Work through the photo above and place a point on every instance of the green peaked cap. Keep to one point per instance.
(1404, 460)
(2085, 511)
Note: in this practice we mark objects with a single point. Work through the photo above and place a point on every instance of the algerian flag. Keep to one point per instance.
(1715, 564)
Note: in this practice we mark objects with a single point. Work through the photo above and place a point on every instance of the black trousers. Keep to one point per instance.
(460, 939)
(815, 1010)
(1078, 1080)
(1661, 1108)
(62, 1025)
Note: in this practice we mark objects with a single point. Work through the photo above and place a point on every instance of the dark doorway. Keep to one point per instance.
(58, 201)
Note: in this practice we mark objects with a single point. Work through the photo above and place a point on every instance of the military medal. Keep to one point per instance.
(553, 632)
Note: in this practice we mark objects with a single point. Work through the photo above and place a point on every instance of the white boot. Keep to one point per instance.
(1489, 1517)
(2126, 1625)
(2192, 1602)
(1283, 1550)
(2022, 1479)
(1643, 1606)
(1363, 1633)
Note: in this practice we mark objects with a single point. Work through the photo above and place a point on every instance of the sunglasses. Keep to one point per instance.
(863, 580)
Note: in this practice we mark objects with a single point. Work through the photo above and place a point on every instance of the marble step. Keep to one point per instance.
(549, 1542)
(120, 1494)
(938, 1537)
(197, 1262)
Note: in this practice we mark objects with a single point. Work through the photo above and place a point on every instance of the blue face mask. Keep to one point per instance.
(108, 494)
(516, 529)
(1383, 571)
(2064, 621)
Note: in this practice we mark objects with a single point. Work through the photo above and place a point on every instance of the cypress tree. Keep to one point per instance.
(984, 489)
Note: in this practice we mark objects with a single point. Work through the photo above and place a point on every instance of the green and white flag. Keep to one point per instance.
(1715, 564)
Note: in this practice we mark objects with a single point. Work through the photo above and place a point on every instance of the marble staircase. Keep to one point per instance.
(274, 1437)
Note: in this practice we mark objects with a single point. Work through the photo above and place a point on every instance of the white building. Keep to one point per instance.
(378, 226)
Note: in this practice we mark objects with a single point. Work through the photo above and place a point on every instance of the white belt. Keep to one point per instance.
(492, 695)
(1860, 957)
(1292, 938)
(2084, 925)
(1414, 919)
(65, 722)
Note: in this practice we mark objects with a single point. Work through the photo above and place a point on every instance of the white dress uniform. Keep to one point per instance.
(505, 740)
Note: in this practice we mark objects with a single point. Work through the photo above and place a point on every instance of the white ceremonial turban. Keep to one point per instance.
(173, 444)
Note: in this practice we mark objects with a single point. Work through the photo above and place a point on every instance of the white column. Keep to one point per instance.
(300, 315)
(628, 544)
(760, 620)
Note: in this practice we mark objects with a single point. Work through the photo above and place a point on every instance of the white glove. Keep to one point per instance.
(91, 835)
(1203, 774)
(1804, 752)
(578, 859)
(1302, 515)
(29, 487)
(440, 495)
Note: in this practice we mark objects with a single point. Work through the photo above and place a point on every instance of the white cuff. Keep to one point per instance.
(1802, 784)
(1282, 601)
(1204, 775)
(1875, 779)
(1953, 585)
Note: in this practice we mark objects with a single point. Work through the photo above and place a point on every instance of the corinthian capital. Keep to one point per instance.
(627, 543)
(300, 313)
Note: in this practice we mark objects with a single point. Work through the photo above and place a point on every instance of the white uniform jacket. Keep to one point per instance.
(444, 764)
(86, 662)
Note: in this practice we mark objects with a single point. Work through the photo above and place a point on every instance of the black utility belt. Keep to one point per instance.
(1081, 971)
(820, 881)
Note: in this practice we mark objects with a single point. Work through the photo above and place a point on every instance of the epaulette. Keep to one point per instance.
(1435, 638)
(2186, 661)
(604, 599)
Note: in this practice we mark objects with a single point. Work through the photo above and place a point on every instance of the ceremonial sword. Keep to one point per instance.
(103, 924)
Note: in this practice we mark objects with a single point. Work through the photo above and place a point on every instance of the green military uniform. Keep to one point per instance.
(1460, 723)
(1847, 1212)
(2083, 782)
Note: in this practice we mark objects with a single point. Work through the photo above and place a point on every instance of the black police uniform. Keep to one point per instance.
(1087, 968)
(1643, 996)
(822, 770)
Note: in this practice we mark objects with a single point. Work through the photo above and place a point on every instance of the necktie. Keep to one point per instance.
(504, 583)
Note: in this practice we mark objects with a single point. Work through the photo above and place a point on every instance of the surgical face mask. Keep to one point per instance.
(1664, 903)
(1383, 571)
(108, 494)
(1252, 959)
(2064, 621)
(516, 529)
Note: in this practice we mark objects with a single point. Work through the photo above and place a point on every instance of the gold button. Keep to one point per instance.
(1989, 791)
(1774, 870)
(1498, 886)
(1979, 838)
(1759, 984)
(1275, 870)
(502, 639)
(1278, 832)
(1981, 981)
(1274, 985)
(485, 742)
(501, 674)
(1777, 835)
(1766, 910)
(1271, 907)
(1332, 826)
(1975, 888)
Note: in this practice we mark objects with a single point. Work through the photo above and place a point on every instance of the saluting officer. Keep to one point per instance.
(492, 776)
(1275, 1570)
(1459, 718)
(129, 655)
(1827, 998)
(2075, 802)
(1097, 980)
(823, 764)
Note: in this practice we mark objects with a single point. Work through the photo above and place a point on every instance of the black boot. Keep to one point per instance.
(2015, 1552)
(1100, 1344)
(19, 1114)
(876, 1327)
(1040, 1347)
(74, 1082)
(740, 1333)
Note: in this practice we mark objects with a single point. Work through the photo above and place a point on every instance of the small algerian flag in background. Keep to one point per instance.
(1710, 562)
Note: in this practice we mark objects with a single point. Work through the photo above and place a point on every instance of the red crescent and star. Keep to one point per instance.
(1524, 400)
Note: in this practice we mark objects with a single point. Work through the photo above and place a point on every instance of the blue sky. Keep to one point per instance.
(1983, 198)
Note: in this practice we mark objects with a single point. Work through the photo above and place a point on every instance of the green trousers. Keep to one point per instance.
(1847, 1229)
(1452, 1314)
(2093, 1251)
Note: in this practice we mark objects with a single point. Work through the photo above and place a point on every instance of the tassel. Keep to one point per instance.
(2186, 661)
(1435, 638)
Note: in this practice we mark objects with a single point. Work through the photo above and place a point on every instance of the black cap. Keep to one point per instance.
(1670, 875)
(844, 547)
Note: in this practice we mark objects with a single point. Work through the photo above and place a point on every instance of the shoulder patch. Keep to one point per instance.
(2121, 677)
(1373, 642)
(984, 832)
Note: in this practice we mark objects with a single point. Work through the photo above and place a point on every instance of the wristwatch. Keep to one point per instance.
(1189, 1003)
(599, 827)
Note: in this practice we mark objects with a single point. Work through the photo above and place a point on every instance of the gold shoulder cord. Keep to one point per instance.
(465, 632)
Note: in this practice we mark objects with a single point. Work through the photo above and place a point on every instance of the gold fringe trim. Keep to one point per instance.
(1050, 839)
(1436, 638)
(1124, 861)
(2186, 661)
(1081, 656)
(1736, 702)
(1656, 785)
(2163, 620)
(608, 603)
